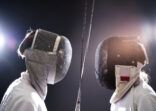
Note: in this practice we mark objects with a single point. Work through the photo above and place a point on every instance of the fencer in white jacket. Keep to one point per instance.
(140, 97)
(21, 96)
(118, 63)
(47, 57)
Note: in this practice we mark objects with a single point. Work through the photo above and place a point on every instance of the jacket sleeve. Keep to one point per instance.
(147, 103)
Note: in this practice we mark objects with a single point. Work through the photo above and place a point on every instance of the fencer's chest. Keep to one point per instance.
(125, 104)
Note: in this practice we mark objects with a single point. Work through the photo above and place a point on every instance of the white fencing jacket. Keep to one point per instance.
(21, 96)
(139, 98)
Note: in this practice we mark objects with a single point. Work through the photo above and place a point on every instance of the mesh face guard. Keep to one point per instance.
(51, 51)
(46, 41)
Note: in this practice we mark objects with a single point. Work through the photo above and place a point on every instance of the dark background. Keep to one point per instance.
(111, 18)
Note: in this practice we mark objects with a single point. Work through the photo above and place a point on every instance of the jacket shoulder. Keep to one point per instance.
(144, 97)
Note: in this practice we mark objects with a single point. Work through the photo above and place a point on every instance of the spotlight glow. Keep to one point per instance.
(2, 41)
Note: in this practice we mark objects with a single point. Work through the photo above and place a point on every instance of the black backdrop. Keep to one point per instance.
(111, 18)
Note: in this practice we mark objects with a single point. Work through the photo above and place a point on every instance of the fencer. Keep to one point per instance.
(47, 57)
(118, 66)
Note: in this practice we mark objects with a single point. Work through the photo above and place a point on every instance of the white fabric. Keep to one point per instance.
(131, 75)
(139, 98)
(21, 96)
(41, 68)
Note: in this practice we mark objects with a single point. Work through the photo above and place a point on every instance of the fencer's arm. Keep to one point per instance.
(147, 103)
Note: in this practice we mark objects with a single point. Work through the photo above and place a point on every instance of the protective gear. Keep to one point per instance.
(126, 77)
(117, 51)
(51, 51)
(140, 97)
(118, 65)
(21, 96)
(47, 62)
(49, 56)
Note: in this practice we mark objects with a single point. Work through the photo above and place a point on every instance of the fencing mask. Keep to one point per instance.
(49, 56)
(118, 54)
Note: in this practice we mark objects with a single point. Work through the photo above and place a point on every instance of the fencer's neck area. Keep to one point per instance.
(125, 73)
(37, 74)
(126, 77)
(38, 83)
